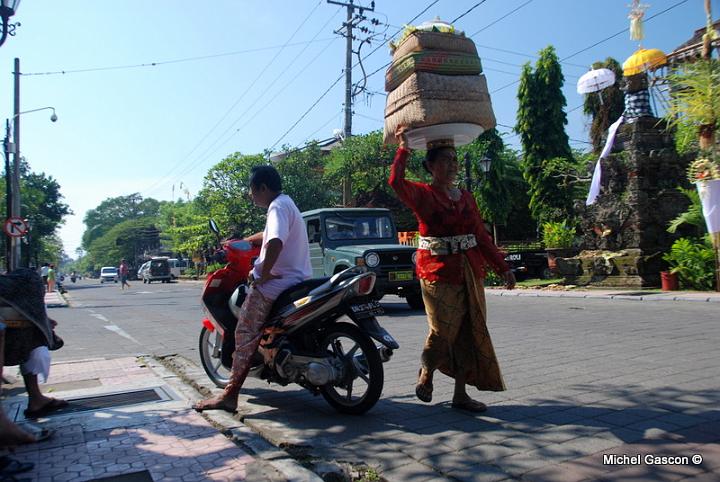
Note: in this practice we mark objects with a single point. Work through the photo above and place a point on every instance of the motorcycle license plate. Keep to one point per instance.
(400, 276)
(370, 308)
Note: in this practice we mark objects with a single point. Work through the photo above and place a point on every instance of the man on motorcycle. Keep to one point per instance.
(283, 262)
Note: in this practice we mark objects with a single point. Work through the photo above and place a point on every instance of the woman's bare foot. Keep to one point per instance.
(424, 387)
(216, 403)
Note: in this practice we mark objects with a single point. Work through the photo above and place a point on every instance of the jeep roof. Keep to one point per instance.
(346, 210)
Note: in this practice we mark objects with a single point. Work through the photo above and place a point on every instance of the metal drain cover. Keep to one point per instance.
(143, 476)
(121, 399)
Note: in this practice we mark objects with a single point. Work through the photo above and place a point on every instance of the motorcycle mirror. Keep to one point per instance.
(214, 227)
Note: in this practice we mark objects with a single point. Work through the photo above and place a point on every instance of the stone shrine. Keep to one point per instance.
(625, 231)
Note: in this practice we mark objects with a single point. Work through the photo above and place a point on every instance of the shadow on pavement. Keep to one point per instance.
(665, 415)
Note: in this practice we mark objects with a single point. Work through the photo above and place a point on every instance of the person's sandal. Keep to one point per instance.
(469, 405)
(9, 466)
(424, 390)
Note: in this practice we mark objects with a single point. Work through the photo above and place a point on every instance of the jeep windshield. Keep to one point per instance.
(339, 227)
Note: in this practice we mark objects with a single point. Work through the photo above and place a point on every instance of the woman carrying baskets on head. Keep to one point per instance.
(454, 252)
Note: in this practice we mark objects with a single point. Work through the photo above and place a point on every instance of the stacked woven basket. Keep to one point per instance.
(436, 78)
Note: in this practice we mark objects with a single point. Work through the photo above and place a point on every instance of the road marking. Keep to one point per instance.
(100, 317)
(121, 332)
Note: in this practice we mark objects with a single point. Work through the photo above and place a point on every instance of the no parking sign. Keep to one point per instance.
(15, 227)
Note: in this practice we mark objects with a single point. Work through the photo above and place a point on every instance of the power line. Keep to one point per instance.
(469, 10)
(623, 31)
(521, 54)
(598, 43)
(501, 18)
(207, 153)
(214, 147)
(342, 75)
(175, 61)
(227, 113)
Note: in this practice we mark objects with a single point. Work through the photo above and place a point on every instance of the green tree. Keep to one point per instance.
(604, 113)
(491, 192)
(225, 195)
(43, 206)
(304, 180)
(113, 211)
(367, 160)
(541, 121)
(124, 240)
(185, 227)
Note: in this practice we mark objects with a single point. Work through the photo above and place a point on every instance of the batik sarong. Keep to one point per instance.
(459, 341)
(252, 316)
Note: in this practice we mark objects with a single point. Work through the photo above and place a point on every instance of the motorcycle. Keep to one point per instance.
(303, 340)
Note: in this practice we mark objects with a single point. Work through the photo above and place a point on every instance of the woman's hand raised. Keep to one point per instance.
(401, 136)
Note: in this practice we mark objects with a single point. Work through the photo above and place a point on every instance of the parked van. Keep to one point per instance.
(177, 267)
(157, 269)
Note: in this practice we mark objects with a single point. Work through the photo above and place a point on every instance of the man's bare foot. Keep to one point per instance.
(216, 403)
(12, 435)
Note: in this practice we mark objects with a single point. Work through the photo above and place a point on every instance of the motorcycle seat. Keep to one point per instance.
(294, 293)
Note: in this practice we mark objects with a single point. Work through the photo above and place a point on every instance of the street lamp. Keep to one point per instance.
(7, 10)
(485, 164)
(12, 181)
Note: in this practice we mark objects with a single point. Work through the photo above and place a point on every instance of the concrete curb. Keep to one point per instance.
(252, 442)
(55, 300)
(704, 297)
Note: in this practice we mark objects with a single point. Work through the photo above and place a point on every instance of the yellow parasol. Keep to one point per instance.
(642, 60)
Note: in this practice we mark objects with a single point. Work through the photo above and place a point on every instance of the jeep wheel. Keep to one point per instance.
(415, 301)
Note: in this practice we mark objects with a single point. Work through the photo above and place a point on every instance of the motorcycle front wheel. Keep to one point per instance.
(360, 388)
(210, 350)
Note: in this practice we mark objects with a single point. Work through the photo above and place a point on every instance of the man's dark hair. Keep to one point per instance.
(267, 175)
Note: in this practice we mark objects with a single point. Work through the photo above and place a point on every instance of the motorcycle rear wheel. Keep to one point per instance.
(213, 365)
(362, 362)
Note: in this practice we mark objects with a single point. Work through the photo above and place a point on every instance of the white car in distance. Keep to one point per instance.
(109, 274)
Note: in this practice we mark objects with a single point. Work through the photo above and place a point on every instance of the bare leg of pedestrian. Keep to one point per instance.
(10, 433)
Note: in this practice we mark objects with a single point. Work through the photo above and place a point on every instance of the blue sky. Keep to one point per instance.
(236, 75)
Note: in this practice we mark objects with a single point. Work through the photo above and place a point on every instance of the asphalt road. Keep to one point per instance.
(584, 377)
(105, 321)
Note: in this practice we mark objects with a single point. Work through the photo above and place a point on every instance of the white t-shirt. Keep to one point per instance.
(44, 270)
(285, 223)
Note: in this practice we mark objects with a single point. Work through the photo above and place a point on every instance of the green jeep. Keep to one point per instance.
(344, 237)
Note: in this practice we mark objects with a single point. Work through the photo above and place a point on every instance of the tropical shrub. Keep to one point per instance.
(694, 262)
(558, 235)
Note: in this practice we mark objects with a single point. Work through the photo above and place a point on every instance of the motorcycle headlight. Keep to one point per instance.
(414, 257)
(372, 260)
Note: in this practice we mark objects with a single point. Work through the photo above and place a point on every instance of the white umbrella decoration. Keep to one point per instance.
(595, 81)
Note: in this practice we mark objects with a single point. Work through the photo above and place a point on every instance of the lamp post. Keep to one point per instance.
(12, 179)
(7, 10)
(484, 164)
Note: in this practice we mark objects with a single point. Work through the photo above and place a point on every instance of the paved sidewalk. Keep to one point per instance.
(581, 386)
(55, 300)
(130, 420)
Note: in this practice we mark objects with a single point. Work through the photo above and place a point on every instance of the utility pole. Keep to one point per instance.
(351, 22)
(8, 193)
(15, 208)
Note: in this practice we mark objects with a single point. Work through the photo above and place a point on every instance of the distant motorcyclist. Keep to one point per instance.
(283, 262)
